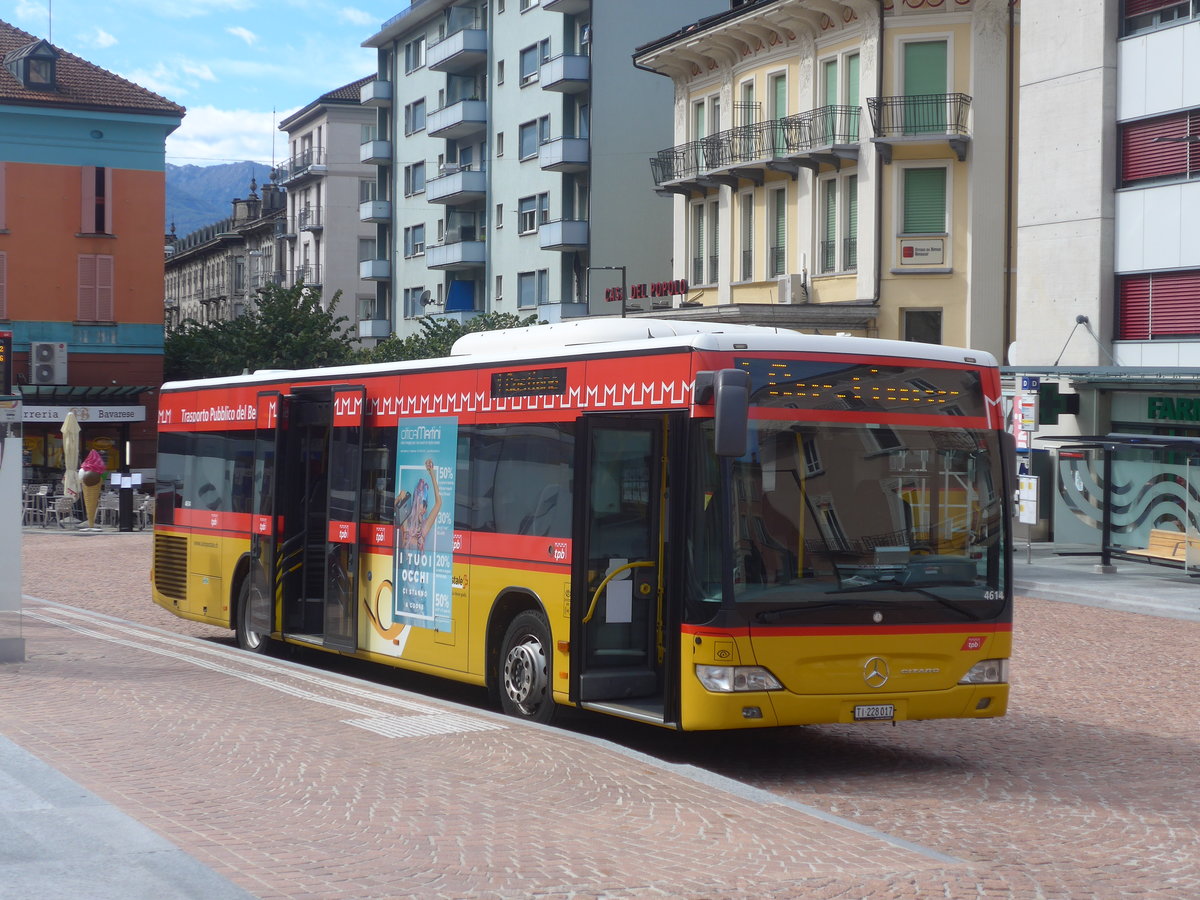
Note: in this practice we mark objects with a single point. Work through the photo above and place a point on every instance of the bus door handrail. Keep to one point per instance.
(641, 564)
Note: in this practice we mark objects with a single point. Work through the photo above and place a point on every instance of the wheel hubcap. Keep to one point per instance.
(525, 674)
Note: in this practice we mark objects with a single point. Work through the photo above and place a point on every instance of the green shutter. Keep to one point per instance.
(924, 68)
(831, 85)
(779, 245)
(851, 252)
(924, 201)
(779, 95)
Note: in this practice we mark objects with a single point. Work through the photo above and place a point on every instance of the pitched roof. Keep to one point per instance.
(347, 93)
(80, 84)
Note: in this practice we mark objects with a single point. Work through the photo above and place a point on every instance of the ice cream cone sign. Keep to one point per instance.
(91, 475)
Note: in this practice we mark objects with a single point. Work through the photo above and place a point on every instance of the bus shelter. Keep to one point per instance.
(1133, 496)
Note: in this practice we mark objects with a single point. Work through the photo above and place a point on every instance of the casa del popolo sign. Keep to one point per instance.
(653, 289)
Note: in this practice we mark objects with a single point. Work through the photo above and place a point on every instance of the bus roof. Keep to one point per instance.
(534, 342)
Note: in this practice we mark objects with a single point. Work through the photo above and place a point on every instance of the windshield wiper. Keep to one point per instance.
(774, 615)
(907, 588)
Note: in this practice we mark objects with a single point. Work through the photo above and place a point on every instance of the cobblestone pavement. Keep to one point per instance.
(294, 782)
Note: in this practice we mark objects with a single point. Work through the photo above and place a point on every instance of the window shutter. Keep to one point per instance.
(87, 288)
(108, 200)
(852, 206)
(829, 231)
(924, 201)
(104, 289)
(1155, 148)
(1134, 314)
(3, 285)
(1137, 7)
(1174, 303)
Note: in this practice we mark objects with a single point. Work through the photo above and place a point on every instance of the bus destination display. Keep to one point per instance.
(530, 383)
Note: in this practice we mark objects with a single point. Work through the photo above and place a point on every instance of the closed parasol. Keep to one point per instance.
(70, 433)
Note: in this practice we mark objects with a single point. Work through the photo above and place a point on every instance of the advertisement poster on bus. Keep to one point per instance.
(424, 521)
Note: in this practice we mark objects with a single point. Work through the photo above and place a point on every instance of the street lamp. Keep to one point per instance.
(620, 269)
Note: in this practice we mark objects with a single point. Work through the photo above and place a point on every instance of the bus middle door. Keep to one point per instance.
(617, 614)
(343, 506)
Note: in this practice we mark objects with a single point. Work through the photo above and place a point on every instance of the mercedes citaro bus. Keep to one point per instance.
(693, 525)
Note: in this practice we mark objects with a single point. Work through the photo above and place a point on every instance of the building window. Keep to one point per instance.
(543, 286)
(1147, 15)
(499, 220)
(1158, 305)
(827, 255)
(530, 135)
(526, 289)
(532, 212)
(530, 61)
(95, 289)
(414, 116)
(923, 325)
(838, 251)
(499, 143)
(528, 4)
(777, 251)
(1162, 149)
(698, 211)
(414, 179)
(499, 71)
(414, 241)
(746, 205)
(924, 203)
(96, 200)
(714, 241)
(413, 302)
(368, 189)
(499, 288)
(414, 54)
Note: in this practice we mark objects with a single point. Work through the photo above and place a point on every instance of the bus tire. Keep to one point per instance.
(247, 638)
(524, 670)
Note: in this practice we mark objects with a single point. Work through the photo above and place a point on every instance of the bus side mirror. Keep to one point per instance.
(729, 390)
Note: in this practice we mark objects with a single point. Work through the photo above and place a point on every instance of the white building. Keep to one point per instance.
(325, 183)
(512, 150)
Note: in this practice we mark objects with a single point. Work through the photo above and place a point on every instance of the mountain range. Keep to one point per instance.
(201, 195)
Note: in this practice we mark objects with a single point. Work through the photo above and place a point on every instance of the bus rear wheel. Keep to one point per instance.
(524, 676)
(247, 637)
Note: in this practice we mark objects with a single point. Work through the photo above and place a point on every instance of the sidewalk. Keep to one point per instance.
(218, 774)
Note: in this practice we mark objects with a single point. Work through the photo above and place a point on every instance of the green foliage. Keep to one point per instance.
(287, 329)
(437, 336)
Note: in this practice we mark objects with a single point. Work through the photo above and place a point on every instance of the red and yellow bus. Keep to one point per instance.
(688, 524)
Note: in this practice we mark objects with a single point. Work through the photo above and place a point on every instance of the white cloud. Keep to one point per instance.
(101, 38)
(357, 16)
(30, 12)
(209, 136)
(244, 33)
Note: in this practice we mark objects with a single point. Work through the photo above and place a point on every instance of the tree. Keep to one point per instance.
(437, 336)
(288, 328)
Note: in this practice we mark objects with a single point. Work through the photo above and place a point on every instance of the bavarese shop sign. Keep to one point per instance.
(85, 413)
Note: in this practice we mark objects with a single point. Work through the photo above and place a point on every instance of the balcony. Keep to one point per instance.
(375, 211)
(458, 52)
(309, 275)
(564, 235)
(309, 219)
(306, 163)
(570, 7)
(566, 74)
(459, 251)
(376, 93)
(826, 136)
(374, 328)
(458, 120)
(920, 119)
(375, 153)
(375, 269)
(455, 187)
(566, 154)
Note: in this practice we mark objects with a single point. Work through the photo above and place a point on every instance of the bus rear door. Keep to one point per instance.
(617, 618)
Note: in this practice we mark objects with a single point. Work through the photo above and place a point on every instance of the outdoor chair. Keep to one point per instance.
(60, 511)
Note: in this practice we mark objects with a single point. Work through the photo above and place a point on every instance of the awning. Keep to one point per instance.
(73, 395)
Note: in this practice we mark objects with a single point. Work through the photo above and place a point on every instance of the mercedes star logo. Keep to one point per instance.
(875, 671)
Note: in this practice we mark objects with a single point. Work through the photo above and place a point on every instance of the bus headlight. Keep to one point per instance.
(731, 679)
(987, 671)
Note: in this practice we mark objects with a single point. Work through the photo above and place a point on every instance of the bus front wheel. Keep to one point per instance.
(524, 676)
(247, 637)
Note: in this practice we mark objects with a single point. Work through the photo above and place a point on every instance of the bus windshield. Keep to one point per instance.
(838, 523)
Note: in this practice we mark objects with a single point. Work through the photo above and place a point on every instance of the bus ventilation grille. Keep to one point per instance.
(170, 565)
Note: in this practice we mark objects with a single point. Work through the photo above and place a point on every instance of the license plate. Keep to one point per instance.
(878, 711)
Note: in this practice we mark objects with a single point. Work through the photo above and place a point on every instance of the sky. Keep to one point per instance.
(239, 66)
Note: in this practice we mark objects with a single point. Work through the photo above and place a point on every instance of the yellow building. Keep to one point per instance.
(845, 166)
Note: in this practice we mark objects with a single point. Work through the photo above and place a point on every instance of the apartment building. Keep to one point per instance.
(845, 166)
(1108, 278)
(215, 273)
(82, 188)
(325, 241)
(511, 148)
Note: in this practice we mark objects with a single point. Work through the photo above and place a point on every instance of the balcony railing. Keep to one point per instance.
(457, 119)
(310, 218)
(760, 142)
(310, 161)
(921, 117)
(309, 274)
(567, 73)
(459, 51)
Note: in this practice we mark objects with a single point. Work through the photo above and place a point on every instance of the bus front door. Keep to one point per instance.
(319, 552)
(617, 618)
